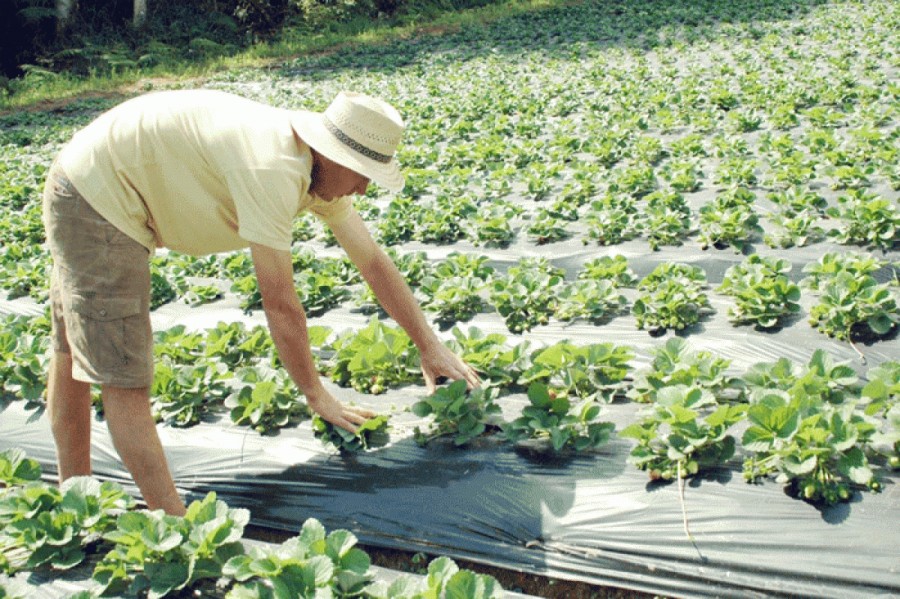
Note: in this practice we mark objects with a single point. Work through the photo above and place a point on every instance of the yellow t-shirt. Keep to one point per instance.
(197, 171)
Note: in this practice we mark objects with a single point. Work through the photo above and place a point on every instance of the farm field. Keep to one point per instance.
(666, 234)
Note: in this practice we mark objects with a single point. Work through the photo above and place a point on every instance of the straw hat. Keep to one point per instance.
(359, 132)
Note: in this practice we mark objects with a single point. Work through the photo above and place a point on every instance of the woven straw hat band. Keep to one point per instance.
(365, 125)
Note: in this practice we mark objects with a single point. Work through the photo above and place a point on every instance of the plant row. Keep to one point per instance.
(532, 291)
(234, 369)
(665, 220)
(152, 554)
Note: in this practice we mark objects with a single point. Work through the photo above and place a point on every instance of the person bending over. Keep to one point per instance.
(200, 172)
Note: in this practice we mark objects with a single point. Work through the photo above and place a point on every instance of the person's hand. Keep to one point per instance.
(337, 413)
(439, 361)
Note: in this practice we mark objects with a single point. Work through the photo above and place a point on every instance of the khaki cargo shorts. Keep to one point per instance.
(99, 291)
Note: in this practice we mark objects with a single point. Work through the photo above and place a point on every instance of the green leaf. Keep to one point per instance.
(853, 465)
(539, 395)
(793, 465)
(321, 568)
(757, 439)
(166, 577)
(440, 570)
(339, 542)
(312, 532)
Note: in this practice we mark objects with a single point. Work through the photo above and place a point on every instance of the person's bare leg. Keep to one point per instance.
(69, 410)
(134, 436)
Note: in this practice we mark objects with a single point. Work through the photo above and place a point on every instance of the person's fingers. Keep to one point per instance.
(345, 424)
(354, 417)
(429, 381)
(472, 378)
(363, 412)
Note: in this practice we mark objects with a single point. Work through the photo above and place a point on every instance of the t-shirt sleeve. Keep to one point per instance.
(266, 202)
(331, 212)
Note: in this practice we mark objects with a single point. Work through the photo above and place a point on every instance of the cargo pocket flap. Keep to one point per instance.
(114, 308)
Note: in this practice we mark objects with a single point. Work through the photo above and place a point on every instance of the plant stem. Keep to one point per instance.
(684, 518)
(856, 349)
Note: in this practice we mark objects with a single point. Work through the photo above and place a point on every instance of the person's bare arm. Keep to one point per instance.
(395, 296)
(287, 324)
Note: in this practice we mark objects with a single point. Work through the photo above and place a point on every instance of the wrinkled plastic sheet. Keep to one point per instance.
(591, 518)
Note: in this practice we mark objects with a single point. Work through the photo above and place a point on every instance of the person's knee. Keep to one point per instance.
(125, 403)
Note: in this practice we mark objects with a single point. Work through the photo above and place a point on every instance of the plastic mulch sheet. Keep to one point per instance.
(592, 517)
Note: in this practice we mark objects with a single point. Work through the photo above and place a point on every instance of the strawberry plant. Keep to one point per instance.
(728, 220)
(312, 564)
(16, 468)
(736, 171)
(547, 228)
(881, 397)
(303, 228)
(234, 344)
(179, 345)
(853, 305)
(158, 554)
(683, 176)
(457, 412)
(683, 433)
(676, 364)
(443, 579)
(794, 221)
(672, 296)
(882, 391)
(441, 221)
(182, 394)
(23, 271)
(612, 220)
(634, 181)
(793, 230)
(490, 225)
(821, 273)
(398, 224)
(596, 301)
(822, 378)
(762, 292)
(44, 525)
(594, 371)
(490, 355)
(265, 400)
(689, 146)
(612, 268)
(453, 299)
(162, 291)
(319, 292)
(371, 433)
(24, 357)
(814, 447)
(526, 297)
(866, 219)
(458, 264)
(374, 358)
(552, 416)
(668, 219)
(790, 168)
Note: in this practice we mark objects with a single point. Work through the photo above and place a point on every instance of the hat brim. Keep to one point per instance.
(311, 128)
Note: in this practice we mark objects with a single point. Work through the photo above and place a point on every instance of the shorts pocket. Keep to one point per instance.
(106, 309)
(107, 334)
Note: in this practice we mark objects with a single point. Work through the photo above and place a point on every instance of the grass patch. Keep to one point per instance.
(112, 69)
